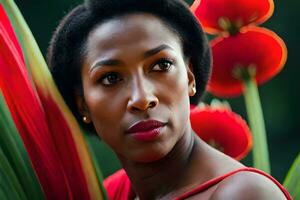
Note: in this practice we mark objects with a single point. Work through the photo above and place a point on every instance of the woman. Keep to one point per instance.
(129, 70)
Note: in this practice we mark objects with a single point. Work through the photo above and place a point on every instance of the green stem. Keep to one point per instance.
(255, 115)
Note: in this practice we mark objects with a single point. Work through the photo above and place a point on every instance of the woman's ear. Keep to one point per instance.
(191, 79)
(83, 108)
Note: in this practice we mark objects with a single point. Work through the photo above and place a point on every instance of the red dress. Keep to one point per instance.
(118, 185)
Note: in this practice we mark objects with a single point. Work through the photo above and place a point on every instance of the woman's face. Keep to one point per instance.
(136, 86)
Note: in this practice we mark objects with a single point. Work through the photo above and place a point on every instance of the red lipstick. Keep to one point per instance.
(146, 130)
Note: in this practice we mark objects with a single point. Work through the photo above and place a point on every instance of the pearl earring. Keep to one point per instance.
(86, 119)
(194, 90)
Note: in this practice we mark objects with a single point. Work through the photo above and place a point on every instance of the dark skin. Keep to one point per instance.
(143, 75)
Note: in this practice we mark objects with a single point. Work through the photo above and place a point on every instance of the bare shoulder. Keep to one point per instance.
(247, 185)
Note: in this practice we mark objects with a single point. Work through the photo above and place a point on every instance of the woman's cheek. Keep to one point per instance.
(177, 86)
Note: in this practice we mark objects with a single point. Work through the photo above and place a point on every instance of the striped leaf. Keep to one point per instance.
(14, 151)
(57, 141)
(9, 181)
(29, 116)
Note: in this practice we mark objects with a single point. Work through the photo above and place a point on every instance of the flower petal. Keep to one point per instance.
(242, 12)
(225, 128)
(254, 46)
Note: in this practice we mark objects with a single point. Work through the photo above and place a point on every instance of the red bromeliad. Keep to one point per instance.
(58, 152)
(218, 16)
(28, 114)
(222, 129)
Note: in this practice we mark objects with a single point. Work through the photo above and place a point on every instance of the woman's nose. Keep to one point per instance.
(142, 96)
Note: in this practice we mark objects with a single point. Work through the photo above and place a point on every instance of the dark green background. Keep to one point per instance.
(280, 96)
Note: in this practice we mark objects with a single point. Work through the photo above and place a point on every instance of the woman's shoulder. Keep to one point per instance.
(242, 183)
(250, 183)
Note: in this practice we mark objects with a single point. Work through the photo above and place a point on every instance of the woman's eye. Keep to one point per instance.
(162, 65)
(110, 79)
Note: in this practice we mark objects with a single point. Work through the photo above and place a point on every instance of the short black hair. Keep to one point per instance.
(67, 47)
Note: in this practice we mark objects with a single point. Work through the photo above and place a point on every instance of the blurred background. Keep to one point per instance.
(280, 96)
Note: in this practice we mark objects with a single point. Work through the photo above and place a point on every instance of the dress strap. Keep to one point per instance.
(216, 180)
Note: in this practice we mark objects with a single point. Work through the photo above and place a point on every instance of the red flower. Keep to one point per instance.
(239, 13)
(254, 47)
(222, 129)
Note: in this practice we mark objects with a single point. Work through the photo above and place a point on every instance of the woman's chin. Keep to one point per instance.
(151, 154)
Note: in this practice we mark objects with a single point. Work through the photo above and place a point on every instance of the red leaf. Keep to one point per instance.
(29, 115)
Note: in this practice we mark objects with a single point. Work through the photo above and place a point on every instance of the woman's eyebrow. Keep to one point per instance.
(115, 62)
(107, 62)
(156, 50)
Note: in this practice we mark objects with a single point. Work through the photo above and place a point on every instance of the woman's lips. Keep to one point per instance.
(146, 130)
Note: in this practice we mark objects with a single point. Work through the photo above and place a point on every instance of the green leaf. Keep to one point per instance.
(292, 180)
(88, 138)
(2, 193)
(9, 181)
(15, 153)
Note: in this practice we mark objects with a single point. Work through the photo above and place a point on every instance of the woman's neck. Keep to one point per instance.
(156, 179)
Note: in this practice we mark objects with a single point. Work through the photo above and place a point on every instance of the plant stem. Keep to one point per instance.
(255, 116)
